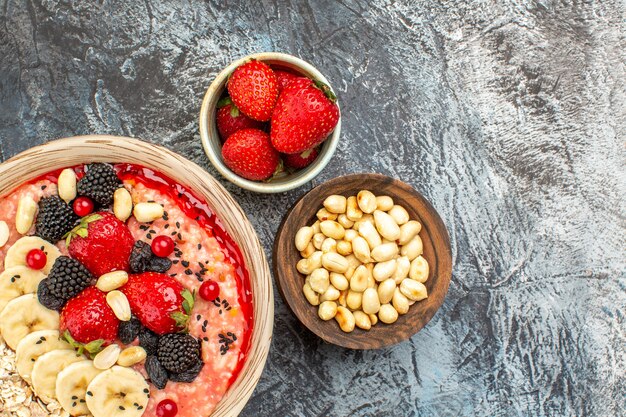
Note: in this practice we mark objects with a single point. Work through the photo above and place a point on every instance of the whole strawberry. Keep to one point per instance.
(88, 317)
(157, 301)
(284, 78)
(305, 114)
(254, 89)
(301, 160)
(249, 153)
(102, 243)
(229, 119)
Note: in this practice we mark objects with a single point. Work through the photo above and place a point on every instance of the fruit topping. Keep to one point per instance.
(128, 331)
(143, 259)
(36, 259)
(101, 242)
(66, 185)
(99, 183)
(16, 255)
(156, 300)
(71, 387)
(190, 374)
(305, 114)
(162, 246)
(249, 153)
(166, 408)
(209, 290)
(24, 315)
(88, 317)
(118, 392)
(156, 372)
(253, 88)
(55, 219)
(178, 352)
(83, 206)
(301, 160)
(230, 120)
(17, 281)
(149, 341)
(67, 278)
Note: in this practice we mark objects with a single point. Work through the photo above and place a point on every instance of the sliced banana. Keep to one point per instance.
(71, 387)
(33, 346)
(24, 315)
(117, 392)
(46, 370)
(17, 281)
(16, 255)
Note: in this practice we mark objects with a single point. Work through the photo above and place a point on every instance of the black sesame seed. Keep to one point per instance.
(199, 246)
(175, 261)
(206, 339)
(188, 271)
(178, 224)
(172, 275)
(43, 187)
(146, 390)
(122, 407)
(167, 226)
(198, 317)
(74, 397)
(173, 233)
(185, 264)
(180, 237)
(152, 231)
(90, 393)
(149, 236)
(74, 404)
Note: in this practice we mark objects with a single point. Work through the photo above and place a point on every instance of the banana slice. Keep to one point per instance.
(117, 392)
(16, 255)
(33, 346)
(46, 370)
(71, 386)
(17, 281)
(24, 315)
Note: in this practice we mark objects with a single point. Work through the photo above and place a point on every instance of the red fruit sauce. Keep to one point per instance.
(195, 208)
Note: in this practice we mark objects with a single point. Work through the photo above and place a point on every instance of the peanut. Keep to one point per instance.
(344, 247)
(419, 269)
(112, 280)
(148, 212)
(335, 204)
(345, 221)
(5, 233)
(327, 310)
(312, 297)
(131, 356)
(122, 204)
(400, 302)
(353, 212)
(384, 203)
(339, 281)
(362, 320)
(319, 280)
(332, 229)
(384, 270)
(370, 301)
(366, 201)
(413, 290)
(386, 290)
(107, 357)
(361, 249)
(345, 319)
(354, 299)
(399, 214)
(413, 249)
(386, 225)
(323, 215)
(408, 231)
(359, 279)
(387, 314)
(25, 215)
(385, 252)
(334, 262)
(303, 237)
(329, 245)
(369, 233)
(66, 184)
(402, 269)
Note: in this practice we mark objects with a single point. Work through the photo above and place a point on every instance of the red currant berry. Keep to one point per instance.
(83, 206)
(209, 290)
(162, 246)
(166, 408)
(36, 259)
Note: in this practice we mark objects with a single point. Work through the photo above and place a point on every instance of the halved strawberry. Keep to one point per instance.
(253, 87)
(102, 243)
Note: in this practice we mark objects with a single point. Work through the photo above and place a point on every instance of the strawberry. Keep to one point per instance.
(88, 318)
(249, 153)
(253, 88)
(158, 301)
(229, 119)
(101, 242)
(305, 114)
(301, 160)
(284, 78)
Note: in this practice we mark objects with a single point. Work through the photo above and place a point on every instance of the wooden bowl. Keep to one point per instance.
(436, 251)
(213, 145)
(99, 148)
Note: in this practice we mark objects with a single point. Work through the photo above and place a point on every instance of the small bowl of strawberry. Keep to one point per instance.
(270, 122)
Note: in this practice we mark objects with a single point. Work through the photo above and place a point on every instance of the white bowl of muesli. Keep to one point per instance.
(131, 284)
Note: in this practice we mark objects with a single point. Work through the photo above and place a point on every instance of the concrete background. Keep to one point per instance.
(509, 116)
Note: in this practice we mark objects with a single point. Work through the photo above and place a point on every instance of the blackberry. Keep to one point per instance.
(46, 299)
(190, 374)
(67, 278)
(178, 352)
(99, 183)
(149, 341)
(142, 259)
(55, 219)
(156, 372)
(128, 331)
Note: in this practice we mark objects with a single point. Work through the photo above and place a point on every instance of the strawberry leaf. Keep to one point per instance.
(326, 90)
(223, 102)
(92, 348)
(234, 111)
(181, 319)
(81, 228)
(189, 300)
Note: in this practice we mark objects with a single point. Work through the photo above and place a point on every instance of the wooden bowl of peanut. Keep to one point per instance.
(363, 261)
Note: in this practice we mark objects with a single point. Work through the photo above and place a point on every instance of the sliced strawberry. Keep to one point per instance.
(230, 120)
(102, 243)
(301, 160)
(249, 153)
(88, 318)
(305, 114)
(157, 301)
(253, 88)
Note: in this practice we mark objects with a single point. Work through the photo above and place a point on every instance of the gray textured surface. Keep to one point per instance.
(509, 116)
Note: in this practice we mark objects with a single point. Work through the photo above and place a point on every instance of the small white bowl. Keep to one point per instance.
(213, 146)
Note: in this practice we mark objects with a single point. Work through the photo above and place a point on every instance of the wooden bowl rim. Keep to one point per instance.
(212, 144)
(124, 149)
(332, 332)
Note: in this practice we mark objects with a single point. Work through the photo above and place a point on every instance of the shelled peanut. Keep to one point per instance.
(362, 260)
